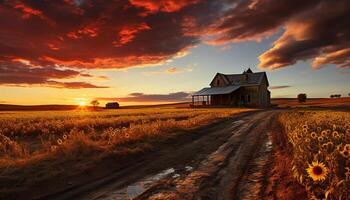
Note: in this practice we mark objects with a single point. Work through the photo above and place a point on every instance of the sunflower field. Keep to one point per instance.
(320, 142)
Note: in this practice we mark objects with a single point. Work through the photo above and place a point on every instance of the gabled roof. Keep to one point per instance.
(216, 90)
(253, 78)
(223, 77)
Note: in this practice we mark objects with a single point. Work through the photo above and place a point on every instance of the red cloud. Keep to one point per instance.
(153, 6)
(27, 11)
(105, 34)
(128, 33)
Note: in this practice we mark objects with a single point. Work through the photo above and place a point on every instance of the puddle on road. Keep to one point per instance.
(188, 168)
(268, 145)
(238, 122)
(135, 189)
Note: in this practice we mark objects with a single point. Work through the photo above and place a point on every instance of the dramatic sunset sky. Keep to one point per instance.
(157, 51)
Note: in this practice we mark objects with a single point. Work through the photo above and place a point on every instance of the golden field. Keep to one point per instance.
(35, 146)
(320, 142)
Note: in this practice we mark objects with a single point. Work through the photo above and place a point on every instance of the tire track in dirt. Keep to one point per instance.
(234, 171)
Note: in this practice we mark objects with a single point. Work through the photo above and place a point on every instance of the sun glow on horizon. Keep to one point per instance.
(81, 102)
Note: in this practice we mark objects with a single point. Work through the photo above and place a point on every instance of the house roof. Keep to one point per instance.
(253, 78)
(216, 90)
(233, 82)
(238, 79)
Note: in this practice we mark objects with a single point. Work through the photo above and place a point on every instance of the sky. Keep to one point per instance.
(159, 51)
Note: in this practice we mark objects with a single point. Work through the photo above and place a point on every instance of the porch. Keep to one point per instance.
(216, 96)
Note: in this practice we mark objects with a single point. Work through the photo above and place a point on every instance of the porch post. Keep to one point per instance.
(192, 101)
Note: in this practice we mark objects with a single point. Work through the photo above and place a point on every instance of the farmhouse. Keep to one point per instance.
(112, 105)
(247, 89)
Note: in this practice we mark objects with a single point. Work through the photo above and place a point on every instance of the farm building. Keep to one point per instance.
(247, 89)
(112, 105)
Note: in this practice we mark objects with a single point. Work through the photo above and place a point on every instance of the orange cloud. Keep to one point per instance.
(172, 70)
(128, 33)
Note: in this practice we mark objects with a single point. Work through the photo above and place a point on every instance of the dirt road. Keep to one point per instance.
(228, 160)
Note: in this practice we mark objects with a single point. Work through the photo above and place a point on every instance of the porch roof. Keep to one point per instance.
(216, 90)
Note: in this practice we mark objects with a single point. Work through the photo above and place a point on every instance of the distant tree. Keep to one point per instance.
(349, 94)
(339, 95)
(332, 96)
(302, 97)
(95, 103)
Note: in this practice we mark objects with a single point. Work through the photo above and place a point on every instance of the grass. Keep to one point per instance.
(37, 146)
(312, 102)
(320, 142)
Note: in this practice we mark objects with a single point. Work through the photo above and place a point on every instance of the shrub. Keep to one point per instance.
(301, 97)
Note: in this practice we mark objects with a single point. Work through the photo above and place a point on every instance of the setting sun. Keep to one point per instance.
(82, 103)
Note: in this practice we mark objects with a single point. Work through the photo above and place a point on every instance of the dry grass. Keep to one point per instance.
(316, 102)
(35, 146)
(321, 146)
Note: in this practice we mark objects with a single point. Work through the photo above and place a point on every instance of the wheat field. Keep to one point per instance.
(38, 145)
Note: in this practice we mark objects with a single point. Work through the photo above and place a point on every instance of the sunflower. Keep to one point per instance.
(317, 171)
(313, 135)
(330, 144)
(59, 141)
(345, 153)
(335, 134)
(320, 139)
(347, 147)
(53, 148)
(65, 137)
(340, 148)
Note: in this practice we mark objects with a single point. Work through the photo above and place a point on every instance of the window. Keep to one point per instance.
(218, 82)
(248, 98)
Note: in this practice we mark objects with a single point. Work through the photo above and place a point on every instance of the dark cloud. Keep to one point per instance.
(141, 97)
(279, 87)
(22, 75)
(313, 29)
(254, 19)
